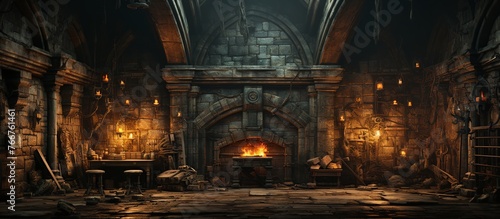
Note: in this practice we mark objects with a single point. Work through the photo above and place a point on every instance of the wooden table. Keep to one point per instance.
(327, 173)
(145, 164)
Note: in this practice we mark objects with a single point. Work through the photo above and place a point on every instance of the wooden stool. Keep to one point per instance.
(91, 180)
(129, 174)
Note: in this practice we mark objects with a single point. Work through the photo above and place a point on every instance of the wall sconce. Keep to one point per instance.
(105, 78)
(341, 116)
(130, 136)
(120, 128)
(122, 84)
(483, 96)
(98, 94)
(417, 64)
(402, 153)
(379, 85)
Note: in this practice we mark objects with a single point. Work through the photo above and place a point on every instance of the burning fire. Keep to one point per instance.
(254, 151)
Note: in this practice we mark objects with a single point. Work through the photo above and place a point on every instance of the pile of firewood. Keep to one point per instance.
(324, 162)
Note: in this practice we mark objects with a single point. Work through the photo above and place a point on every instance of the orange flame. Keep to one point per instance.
(254, 151)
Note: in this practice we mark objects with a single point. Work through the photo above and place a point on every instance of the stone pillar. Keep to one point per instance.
(326, 118)
(53, 83)
(313, 125)
(178, 113)
(192, 135)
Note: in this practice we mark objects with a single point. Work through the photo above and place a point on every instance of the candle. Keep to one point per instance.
(131, 136)
(122, 83)
(127, 102)
(394, 102)
(156, 102)
(120, 130)
(380, 85)
(400, 81)
(98, 93)
(342, 118)
(105, 78)
(409, 103)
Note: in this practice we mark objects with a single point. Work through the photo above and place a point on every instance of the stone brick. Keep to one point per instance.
(273, 50)
(240, 41)
(285, 49)
(283, 36)
(238, 50)
(249, 60)
(265, 25)
(144, 124)
(147, 113)
(260, 34)
(264, 62)
(277, 60)
(274, 33)
(219, 49)
(31, 140)
(253, 49)
(215, 60)
(265, 40)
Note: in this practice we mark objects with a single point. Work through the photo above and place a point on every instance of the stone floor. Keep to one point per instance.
(263, 203)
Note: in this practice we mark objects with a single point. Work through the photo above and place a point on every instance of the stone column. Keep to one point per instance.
(192, 135)
(53, 83)
(313, 125)
(178, 113)
(326, 118)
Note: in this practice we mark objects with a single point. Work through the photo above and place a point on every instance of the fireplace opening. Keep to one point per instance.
(254, 162)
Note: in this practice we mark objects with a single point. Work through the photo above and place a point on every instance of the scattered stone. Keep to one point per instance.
(92, 200)
(315, 167)
(66, 207)
(396, 181)
(311, 185)
(313, 161)
(467, 192)
(325, 160)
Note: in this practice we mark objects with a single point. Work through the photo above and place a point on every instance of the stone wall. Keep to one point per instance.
(267, 44)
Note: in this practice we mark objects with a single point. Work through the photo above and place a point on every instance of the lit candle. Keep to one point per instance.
(120, 130)
(483, 97)
(410, 104)
(98, 93)
(377, 133)
(342, 118)
(127, 102)
(179, 114)
(400, 81)
(105, 79)
(417, 64)
(122, 83)
(156, 102)
(394, 102)
(131, 136)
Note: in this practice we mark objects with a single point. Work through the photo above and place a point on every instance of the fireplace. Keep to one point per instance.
(250, 168)
(222, 109)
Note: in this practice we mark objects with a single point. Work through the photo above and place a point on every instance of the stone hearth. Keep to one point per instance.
(289, 108)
